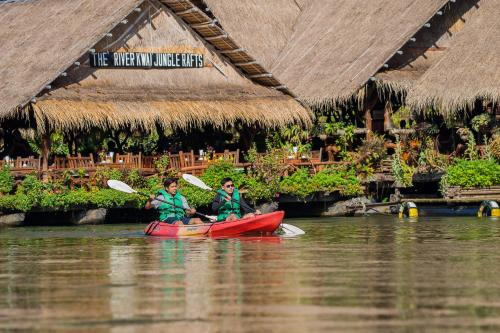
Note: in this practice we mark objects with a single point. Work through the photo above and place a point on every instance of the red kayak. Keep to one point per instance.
(265, 223)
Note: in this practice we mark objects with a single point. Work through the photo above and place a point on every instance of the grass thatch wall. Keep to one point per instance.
(330, 49)
(470, 70)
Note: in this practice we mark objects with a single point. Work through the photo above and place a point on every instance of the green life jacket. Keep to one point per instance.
(167, 210)
(229, 207)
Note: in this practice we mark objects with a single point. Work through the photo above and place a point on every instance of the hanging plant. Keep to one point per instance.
(403, 113)
(481, 123)
(294, 134)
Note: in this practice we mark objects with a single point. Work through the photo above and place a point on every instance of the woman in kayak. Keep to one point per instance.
(228, 203)
(176, 210)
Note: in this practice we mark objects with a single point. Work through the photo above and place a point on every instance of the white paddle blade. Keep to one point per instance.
(291, 230)
(120, 186)
(196, 181)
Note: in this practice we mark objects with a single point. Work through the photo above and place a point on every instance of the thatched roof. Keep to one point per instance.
(430, 45)
(325, 50)
(40, 39)
(217, 94)
(470, 70)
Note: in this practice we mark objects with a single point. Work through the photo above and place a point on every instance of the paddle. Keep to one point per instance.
(288, 229)
(122, 187)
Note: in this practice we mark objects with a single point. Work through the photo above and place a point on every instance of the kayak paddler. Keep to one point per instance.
(177, 210)
(228, 203)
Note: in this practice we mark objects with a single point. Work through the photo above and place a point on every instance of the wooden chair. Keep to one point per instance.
(187, 159)
(148, 162)
(135, 161)
(80, 162)
(123, 158)
(60, 163)
(233, 156)
(316, 155)
(189, 165)
(174, 161)
(30, 163)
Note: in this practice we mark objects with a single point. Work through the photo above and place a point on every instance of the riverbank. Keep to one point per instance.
(358, 207)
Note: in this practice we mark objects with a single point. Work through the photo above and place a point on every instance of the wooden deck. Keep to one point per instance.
(182, 162)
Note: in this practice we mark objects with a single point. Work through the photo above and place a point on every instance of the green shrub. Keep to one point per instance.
(103, 174)
(32, 193)
(475, 173)
(402, 172)
(134, 179)
(162, 162)
(343, 180)
(212, 177)
(16, 202)
(219, 170)
(6, 180)
(257, 190)
(298, 184)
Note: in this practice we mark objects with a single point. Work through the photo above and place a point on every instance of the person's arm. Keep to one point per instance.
(217, 203)
(245, 207)
(148, 203)
(185, 206)
(153, 203)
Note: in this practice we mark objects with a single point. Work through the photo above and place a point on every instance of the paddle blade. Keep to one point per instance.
(291, 230)
(196, 181)
(120, 186)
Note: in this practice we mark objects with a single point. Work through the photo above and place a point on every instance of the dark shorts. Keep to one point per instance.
(184, 220)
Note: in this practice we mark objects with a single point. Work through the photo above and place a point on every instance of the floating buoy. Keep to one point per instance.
(408, 209)
(489, 208)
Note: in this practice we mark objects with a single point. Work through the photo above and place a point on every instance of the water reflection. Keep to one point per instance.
(357, 274)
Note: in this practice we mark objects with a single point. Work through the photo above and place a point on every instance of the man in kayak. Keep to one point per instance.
(228, 203)
(176, 209)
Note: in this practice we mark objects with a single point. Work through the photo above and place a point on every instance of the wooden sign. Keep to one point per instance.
(145, 60)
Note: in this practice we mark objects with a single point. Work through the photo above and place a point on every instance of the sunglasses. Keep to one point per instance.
(229, 186)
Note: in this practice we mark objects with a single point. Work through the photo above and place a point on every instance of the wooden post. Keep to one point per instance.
(368, 122)
(369, 105)
(387, 116)
(45, 151)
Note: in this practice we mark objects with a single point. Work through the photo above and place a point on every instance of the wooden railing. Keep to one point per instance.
(183, 162)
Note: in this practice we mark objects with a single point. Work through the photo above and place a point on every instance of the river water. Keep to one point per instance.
(375, 274)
